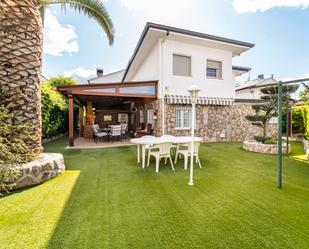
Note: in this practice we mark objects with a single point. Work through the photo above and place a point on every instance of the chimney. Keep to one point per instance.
(99, 72)
(272, 76)
(261, 76)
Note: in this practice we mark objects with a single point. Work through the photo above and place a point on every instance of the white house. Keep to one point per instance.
(250, 89)
(167, 61)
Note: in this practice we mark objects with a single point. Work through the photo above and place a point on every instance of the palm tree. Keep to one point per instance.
(21, 34)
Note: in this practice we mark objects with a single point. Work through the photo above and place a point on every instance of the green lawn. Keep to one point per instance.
(105, 200)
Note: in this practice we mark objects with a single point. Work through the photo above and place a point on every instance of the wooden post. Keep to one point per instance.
(81, 121)
(290, 123)
(71, 121)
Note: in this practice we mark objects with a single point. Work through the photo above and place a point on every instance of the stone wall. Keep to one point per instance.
(217, 123)
(46, 167)
(264, 148)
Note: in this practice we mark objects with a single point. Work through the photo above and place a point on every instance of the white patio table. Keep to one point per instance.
(145, 142)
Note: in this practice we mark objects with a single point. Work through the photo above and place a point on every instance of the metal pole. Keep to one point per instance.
(280, 135)
(287, 124)
(192, 144)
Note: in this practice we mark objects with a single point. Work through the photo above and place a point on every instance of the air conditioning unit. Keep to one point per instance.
(134, 109)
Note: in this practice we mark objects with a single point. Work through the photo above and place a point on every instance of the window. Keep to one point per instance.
(183, 118)
(214, 69)
(150, 119)
(181, 65)
(107, 118)
(123, 118)
(141, 116)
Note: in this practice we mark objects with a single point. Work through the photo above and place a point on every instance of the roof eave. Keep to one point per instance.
(180, 31)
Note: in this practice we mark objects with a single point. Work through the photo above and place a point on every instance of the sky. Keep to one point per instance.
(75, 45)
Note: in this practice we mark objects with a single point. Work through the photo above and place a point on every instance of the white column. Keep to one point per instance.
(192, 143)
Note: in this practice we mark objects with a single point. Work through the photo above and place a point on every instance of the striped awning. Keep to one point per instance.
(186, 100)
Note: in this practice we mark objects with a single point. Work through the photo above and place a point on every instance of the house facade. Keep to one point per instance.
(179, 58)
(153, 88)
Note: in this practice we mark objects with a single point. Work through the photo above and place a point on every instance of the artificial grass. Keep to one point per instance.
(105, 200)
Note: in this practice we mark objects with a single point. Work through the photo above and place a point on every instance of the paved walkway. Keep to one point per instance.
(81, 143)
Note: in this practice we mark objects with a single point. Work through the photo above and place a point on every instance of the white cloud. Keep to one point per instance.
(163, 11)
(58, 39)
(243, 6)
(80, 73)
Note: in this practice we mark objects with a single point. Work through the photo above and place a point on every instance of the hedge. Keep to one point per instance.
(297, 120)
(304, 110)
(54, 111)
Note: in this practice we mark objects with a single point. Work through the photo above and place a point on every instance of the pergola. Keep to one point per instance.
(105, 96)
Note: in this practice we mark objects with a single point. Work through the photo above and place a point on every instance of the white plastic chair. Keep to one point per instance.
(174, 146)
(185, 150)
(158, 151)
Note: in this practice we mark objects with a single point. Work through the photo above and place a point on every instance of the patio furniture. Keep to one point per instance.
(161, 150)
(124, 129)
(146, 131)
(185, 150)
(115, 132)
(97, 134)
(146, 141)
(174, 146)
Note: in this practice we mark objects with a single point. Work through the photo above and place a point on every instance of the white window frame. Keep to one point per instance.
(183, 55)
(220, 77)
(141, 116)
(182, 126)
(150, 119)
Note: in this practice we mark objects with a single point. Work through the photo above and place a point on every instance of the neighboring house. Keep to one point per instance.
(250, 89)
(101, 78)
(166, 62)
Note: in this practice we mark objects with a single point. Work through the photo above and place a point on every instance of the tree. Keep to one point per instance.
(269, 107)
(21, 34)
(61, 81)
(304, 95)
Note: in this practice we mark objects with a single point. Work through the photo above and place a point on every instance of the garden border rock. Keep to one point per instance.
(46, 167)
(259, 147)
(53, 138)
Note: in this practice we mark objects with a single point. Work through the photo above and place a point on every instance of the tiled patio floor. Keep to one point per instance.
(81, 143)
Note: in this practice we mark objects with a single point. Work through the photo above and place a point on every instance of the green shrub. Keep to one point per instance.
(300, 120)
(54, 112)
(261, 138)
(297, 120)
(13, 135)
(55, 107)
(8, 176)
(270, 141)
(13, 148)
(61, 81)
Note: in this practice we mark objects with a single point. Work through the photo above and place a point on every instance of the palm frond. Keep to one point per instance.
(94, 9)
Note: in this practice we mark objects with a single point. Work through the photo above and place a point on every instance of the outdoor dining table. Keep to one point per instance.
(145, 142)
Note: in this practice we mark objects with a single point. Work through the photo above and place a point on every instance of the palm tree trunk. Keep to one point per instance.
(20, 63)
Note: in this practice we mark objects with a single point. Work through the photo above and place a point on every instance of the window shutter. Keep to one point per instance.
(217, 65)
(181, 65)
